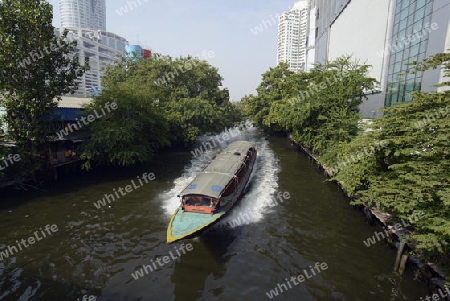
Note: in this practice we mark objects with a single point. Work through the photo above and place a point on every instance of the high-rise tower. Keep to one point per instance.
(292, 36)
(89, 14)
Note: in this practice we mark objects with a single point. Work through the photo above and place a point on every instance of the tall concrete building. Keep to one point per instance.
(88, 14)
(102, 48)
(388, 35)
(292, 36)
(86, 22)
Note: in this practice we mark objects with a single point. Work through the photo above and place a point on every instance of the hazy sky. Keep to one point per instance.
(183, 27)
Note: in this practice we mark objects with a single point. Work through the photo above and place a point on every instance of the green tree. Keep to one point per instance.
(132, 132)
(410, 171)
(37, 67)
(171, 102)
(275, 85)
(319, 108)
(327, 112)
(3, 149)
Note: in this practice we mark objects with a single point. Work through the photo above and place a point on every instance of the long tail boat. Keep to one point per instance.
(213, 192)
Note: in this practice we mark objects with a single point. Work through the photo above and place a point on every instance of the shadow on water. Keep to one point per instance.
(77, 260)
(72, 183)
(190, 275)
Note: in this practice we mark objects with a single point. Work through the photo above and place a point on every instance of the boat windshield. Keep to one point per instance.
(197, 201)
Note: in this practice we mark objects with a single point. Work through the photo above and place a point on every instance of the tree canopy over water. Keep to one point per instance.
(161, 102)
(37, 66)
(399, 162)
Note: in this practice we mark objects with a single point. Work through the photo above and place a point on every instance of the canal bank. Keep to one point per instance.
(428, 273)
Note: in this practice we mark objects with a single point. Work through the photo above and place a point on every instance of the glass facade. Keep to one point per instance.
(409, 43)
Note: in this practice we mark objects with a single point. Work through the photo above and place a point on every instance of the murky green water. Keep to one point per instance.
(95, 251)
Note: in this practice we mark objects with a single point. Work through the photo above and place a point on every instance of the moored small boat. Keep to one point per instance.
(213, 192)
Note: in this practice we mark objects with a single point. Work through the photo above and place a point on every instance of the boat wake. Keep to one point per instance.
(261, 188)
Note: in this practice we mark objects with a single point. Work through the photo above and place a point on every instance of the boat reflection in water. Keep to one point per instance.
(213, 192)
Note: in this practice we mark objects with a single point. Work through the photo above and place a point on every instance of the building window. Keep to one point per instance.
(410, 18)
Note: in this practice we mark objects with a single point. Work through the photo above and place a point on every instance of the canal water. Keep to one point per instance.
(313, 236)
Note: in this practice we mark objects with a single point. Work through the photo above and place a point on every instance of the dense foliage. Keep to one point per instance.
(3, 149)
(410, 170)
(161, 101)
(37, 66)
(399, 162)
(319, 108)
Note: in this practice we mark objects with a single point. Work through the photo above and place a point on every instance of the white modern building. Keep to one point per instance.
(89, 14)
(388, 35)
(292, 36)
(102, 48)
(311, 38)
(86, 22)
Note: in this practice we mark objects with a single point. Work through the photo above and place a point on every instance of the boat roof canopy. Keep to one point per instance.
(214, 178)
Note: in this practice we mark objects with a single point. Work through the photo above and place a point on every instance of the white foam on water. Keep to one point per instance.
(171, 201)
(262, 187)
(259, 197)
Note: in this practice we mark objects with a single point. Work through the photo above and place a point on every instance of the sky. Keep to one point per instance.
(187, 27)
